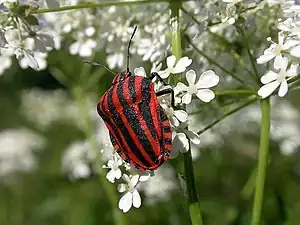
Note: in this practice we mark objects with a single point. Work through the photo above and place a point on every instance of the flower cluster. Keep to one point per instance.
(285, 55)
(21, 35)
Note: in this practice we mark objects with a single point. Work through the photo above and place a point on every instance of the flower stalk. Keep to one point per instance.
(96, 5)
(262, 162)
(194, 207)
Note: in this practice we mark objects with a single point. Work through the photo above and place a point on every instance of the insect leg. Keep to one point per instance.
(167, 91)
(154, 74)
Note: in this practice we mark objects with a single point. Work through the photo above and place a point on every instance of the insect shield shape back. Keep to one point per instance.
(138, 126)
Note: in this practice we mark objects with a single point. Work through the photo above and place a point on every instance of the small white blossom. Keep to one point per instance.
(181, 139)
(273, 80)
(132, 196)
(274, 51)
(173, 67)
(42, 41)
(83, 48)
(113, 164)
(207, 80)
(175, 116)
(27, 56)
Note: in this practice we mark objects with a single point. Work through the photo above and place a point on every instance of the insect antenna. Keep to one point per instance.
(129, 48)
(97, 64)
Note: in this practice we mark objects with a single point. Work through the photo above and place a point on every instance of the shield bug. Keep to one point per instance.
(139, 128)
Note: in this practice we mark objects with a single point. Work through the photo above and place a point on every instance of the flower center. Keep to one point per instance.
(282, 75)
(192, 89)
(130, 188)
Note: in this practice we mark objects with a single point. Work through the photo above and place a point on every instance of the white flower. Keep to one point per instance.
(207, 80)
(17, 147)
(42, 41)
(40, 59)
(76, 160)
(181, 139)
(175, 116)
(173, 68)
(274, 51)
(273, 80)
(113, 164)
(132, 196)
(27, 56)
(83, 48)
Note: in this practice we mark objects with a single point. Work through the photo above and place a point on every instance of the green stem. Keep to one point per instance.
(235, 92)
(194, 206)
(250, 101)
(213, 62)
(262, 162)
(96, 5)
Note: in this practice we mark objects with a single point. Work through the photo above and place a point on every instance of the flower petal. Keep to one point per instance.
(181, 142)
(194, 137)
(118, 173)
(190, 77)
(187, 98)
(31, 61)
(181, 115)
(278, 62)
(265, 58)
(140, 72)
(181, 87)
(125, 202)
(174, 121)
(282, 63)
(182, 64)
(295, 51)
(268, 89)
(208, 79)
(171, 61)
(283, 89)
(136, 199)
(134, 180)
(111, 176)
(164, 74)
(292, 71)
(205, 95)
(268, 77)
(126, 178)
(144, 176)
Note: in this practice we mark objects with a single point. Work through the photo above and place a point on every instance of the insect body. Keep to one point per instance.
(138, 126)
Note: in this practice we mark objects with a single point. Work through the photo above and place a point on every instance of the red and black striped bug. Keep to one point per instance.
(139, 128)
